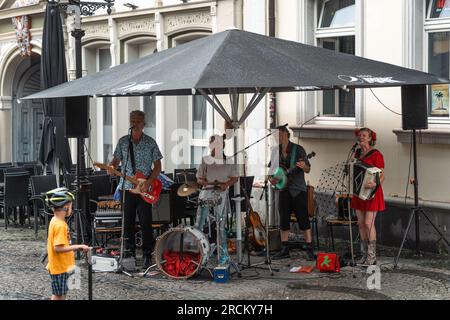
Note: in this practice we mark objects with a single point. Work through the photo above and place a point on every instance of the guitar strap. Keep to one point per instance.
(293, 156)
(133, 163)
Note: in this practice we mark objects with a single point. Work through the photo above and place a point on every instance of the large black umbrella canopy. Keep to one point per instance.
(53, 72)
(243, 61)
(236, 61)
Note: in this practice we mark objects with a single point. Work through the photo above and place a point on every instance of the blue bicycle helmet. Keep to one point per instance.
(58, 197)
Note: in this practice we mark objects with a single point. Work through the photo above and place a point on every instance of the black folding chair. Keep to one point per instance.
(39, 186)
(185, 175)
(101, 186)
(15, 193)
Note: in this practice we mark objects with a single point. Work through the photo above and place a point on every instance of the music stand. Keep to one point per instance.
(416, 210)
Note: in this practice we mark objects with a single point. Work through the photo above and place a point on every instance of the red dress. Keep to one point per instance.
(377, 202)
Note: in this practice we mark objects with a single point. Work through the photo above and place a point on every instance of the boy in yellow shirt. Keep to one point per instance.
(61, 259)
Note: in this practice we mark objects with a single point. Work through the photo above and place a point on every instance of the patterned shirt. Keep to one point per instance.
(146, 152)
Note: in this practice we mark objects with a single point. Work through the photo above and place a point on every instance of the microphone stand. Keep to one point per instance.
(308, 121)
(349, 182)
(120, 267)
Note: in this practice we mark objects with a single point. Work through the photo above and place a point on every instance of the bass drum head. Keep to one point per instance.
(180, 252)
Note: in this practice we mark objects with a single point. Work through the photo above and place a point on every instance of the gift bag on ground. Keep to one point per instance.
(328, 262)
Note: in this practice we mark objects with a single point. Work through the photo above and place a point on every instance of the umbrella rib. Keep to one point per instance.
(224, 114)
(252, 106)
(234, 101)
(219, 104)
(254, 96)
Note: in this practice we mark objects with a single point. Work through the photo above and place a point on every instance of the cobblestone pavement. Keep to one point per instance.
(23, 276)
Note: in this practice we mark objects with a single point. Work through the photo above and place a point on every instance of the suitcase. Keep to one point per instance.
(105, 264)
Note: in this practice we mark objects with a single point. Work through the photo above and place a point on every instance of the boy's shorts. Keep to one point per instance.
(60, 283)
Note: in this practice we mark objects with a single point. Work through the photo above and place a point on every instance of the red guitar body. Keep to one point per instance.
(150, 196)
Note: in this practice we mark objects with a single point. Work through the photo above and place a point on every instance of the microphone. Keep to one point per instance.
(355, 145)
(308, 121)
(131, 128)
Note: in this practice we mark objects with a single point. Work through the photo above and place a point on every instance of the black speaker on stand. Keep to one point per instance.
(76, 117)
(414, 116)
(76, 125)
(414, 107)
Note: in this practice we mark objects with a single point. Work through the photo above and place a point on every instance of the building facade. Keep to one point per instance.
(409, 33)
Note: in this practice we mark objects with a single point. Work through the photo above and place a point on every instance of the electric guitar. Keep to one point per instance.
(150, 196)
(282, 174)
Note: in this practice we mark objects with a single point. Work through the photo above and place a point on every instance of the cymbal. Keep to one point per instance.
(186, 189)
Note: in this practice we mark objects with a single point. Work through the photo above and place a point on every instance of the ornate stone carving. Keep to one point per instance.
(144, 25)
(24, 3)
(22, 25)
(193, 19)
(101, 30)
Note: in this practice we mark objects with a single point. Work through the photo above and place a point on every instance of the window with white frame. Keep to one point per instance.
(104, 62)
(201, 115)
(137, 48)
(336, 31)
(437, 28)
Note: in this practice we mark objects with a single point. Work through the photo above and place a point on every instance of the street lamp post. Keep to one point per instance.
(81, 8)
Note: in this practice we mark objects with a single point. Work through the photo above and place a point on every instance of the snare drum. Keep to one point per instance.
(181, 252)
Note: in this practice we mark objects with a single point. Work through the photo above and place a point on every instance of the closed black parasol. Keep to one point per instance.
(53, 72)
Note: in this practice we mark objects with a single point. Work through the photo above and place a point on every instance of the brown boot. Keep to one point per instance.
(365, 245)
(371, 253)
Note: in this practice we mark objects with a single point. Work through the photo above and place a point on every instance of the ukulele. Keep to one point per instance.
(281, 174)
(149, 196)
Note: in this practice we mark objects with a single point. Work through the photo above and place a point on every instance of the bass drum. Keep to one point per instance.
(181, 252)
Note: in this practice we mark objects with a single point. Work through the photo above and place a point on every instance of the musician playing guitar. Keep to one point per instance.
(366, 210)
(140, 156)
(292, 157)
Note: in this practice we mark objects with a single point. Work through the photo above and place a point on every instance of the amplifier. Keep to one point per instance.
(107, 219)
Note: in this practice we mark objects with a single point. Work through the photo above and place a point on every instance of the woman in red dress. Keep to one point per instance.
(366, 210)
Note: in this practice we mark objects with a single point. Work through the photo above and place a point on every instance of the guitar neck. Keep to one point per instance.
(118, 173)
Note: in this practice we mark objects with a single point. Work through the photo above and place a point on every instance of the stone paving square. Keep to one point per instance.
(24, 277)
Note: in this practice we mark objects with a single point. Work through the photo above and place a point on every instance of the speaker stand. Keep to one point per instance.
(416, 210)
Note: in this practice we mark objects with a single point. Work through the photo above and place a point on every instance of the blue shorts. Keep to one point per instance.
(60, 283)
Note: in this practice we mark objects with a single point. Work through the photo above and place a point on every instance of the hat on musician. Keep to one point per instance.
(284, 128)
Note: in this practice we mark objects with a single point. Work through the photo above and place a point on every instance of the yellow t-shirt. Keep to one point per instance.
(58, 234)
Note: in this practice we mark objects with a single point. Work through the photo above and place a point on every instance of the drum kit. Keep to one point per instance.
(187, 189)
(183, 252)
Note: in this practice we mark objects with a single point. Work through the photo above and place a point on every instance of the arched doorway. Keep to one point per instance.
(28, 115)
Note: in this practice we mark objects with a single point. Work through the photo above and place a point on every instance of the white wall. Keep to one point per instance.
(382, 40)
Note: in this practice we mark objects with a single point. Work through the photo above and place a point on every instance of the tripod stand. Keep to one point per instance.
(416, 210)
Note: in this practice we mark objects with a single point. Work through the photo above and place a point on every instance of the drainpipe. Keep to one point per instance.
(272, 201)
(272, 95)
